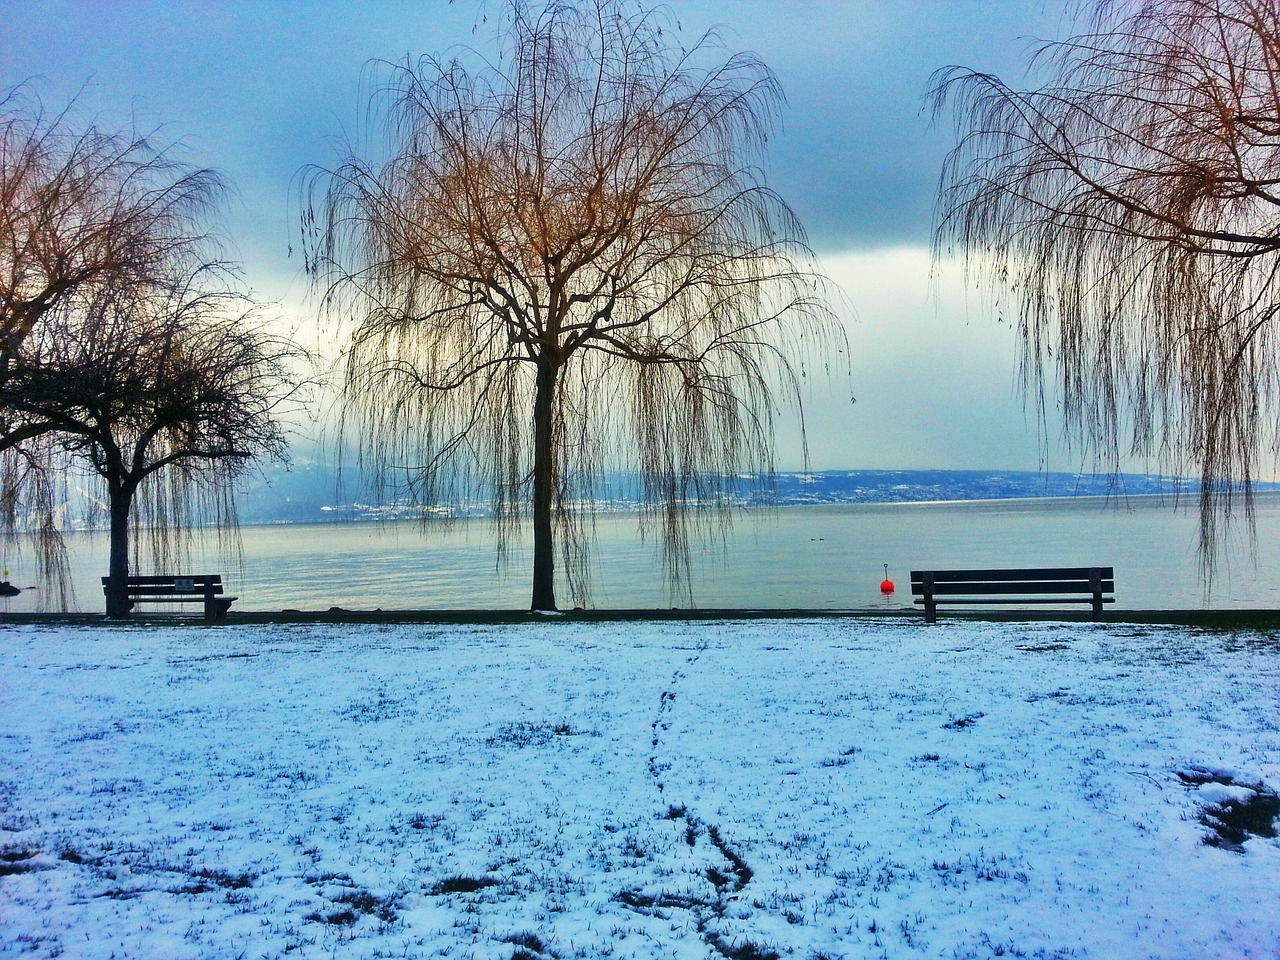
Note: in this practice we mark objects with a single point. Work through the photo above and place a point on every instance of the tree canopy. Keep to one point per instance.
(1130, 207)
(82, 207)
(566, 260)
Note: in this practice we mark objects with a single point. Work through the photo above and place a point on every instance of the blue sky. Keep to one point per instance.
(259, 89)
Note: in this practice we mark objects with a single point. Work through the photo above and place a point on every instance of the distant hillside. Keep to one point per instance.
(918, 486)
(311, 493)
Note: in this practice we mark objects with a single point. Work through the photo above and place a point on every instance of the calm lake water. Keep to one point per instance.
(810, 556)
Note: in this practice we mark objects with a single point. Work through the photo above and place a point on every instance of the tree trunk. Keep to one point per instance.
(544, 480)
(118, 603)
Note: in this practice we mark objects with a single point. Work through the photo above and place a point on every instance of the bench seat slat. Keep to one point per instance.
(1008, 575)
(172, 597)
(170, 591)
(1015, 589)
(148, 580)
(969, 600)
(167, 589)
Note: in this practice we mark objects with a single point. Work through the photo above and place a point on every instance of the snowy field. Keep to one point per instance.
(823, 788)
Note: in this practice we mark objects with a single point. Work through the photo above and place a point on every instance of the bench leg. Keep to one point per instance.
(930, 610)
(215, 608)
(930, 604)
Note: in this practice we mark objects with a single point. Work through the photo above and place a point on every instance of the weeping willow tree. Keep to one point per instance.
(82, 209)
(1131, 208)
(567, 260)
(166, 395)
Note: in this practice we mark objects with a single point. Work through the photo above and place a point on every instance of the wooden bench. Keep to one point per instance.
(203, 588)
(1042, 585)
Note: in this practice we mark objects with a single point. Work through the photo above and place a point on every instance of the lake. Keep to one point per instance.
(820, 556)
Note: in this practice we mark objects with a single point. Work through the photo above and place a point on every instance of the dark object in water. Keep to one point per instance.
(7, 589)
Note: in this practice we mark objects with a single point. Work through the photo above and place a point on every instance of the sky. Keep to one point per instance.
(259, 90)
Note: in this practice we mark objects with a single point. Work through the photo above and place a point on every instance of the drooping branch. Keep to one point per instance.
(1129, 206)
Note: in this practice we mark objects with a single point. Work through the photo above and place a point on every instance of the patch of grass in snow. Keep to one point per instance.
(648, 903)
(355, 904)
(70, 855)
(529, 946)
(376, 708)
(845, 757)
(114, 787)
(1233, 820)
(460, 884)
(986, 947)
(119, 893)
(29, 943)
(19, 823)
(523, 734)
(338, 918)
(980, 866)
(16, 860)
(368, 903)
(1060, 694)
(206, 880)
(959, 723)
(425, 821)
(327, 877)
(740, 950)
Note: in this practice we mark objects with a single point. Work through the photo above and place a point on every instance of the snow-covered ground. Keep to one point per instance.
(822, 788)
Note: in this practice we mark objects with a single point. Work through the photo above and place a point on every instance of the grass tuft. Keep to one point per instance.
(340, 918)
(1235, 821)
(369, 904)
(1232, 822)
(15, 860)
(461, 884)
(746, 950)
(523, 734)
(228, 881)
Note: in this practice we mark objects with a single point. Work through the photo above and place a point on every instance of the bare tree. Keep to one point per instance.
(165, 394)
(566, 261)
(1130, 206)
(82, 209)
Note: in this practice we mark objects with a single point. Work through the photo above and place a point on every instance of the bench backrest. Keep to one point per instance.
(203, 584)
(1023, 582)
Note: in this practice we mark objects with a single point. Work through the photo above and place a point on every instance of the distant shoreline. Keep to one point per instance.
(1118, 501)
(1084, 501)
(314, 494)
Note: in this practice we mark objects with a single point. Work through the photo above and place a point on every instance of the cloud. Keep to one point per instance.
(934, 375)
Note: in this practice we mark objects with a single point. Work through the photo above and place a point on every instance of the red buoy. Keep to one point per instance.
(886, 585)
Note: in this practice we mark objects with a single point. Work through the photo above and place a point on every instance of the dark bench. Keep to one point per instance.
(203, 588)
(1042, 585)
